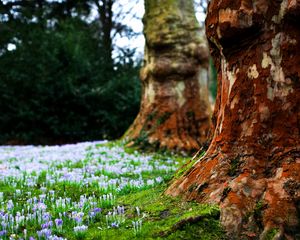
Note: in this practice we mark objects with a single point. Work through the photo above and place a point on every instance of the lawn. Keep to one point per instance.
(96, 190)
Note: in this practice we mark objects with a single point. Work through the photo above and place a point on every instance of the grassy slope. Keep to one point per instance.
(164, 217)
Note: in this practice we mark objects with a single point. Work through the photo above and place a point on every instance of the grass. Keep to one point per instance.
(127, 185)
(161, 214)
(164, 212)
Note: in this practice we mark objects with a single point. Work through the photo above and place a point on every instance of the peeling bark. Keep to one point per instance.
(175, 111)
(252, 167)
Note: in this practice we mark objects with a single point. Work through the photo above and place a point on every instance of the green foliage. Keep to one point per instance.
(213, 82)
(56, 87)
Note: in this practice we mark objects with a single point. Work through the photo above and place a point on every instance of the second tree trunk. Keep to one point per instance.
(175, 111)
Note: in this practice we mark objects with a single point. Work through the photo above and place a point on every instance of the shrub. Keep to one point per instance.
(55, 88)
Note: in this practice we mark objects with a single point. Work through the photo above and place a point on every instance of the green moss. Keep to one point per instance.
(257, 213)
(142, 140)
(164, 117)
(192, 187)
(187, 166)
(190, 114)
(151, 116)
(259, 207)
(162, 215)
(271, 234)
(164, 212)
(234, 166)
(214, 81)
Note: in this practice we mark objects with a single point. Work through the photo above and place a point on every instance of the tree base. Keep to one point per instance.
(257, 200)
(181, 132)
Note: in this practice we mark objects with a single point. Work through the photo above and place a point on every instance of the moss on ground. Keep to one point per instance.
(166, 218)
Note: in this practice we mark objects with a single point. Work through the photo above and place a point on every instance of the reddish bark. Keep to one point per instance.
(252, 167)
(175, 111)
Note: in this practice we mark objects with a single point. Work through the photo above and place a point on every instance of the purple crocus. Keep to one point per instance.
(10, 205)
(97, 210)
(3, 233)
(44, 225)
(58, 222)
(44, 233)
(92, 214)
(114, 225)
(47, 225)
(80, 229)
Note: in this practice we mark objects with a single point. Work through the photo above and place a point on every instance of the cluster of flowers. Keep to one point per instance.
(13, 221)
(116, 217)
(40, 211)
(46, 214)
(83, 163)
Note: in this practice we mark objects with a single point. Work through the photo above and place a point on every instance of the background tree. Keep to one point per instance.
(252, 166)
(56, 86)
(174, 112)
(109, 23)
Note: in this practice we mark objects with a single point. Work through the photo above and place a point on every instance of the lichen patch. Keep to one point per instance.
(232, 78)
(278, 86)
(270, 93)
(234, 101)
(179, 91)
(266, 61)
(150, 92)
(252, 72)
(283, 7)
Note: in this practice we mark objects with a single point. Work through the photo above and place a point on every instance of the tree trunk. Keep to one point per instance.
(252, 167)
(105, 11)
(175, 112)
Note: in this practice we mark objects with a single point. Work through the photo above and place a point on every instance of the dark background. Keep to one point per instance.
(60, 82)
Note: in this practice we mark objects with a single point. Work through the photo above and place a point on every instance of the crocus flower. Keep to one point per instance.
(97, 210)
(114, 225)
(3, 233)
(58, 222)
(81, 228)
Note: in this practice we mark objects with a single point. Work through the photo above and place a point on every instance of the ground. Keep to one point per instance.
(98, 190)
